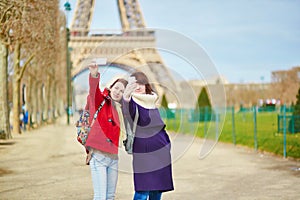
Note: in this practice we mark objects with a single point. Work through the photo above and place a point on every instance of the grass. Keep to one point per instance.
(267, 137)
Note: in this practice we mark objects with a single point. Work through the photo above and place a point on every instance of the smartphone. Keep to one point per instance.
(131, 79)
(98, 62)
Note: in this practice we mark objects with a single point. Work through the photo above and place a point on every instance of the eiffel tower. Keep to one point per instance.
(132, 48)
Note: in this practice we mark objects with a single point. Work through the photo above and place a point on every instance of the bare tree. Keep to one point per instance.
(285, 85)
(29, 29)
(8, 13)
(4, 110)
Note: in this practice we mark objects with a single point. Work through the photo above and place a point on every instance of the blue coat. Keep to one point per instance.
(152, 162)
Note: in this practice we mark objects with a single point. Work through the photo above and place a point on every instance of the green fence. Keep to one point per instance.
(260, 130)
(292, 123)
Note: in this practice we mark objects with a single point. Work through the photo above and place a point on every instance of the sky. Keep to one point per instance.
(245, 39)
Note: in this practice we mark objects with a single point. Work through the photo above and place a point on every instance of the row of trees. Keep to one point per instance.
(296, 115)
(33, 56)
(284, 86)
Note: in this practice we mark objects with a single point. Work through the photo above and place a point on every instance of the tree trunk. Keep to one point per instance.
(52, 97)
(34, 104)
(4, 110)
(40, 104)
(16, 90)
(54, 100)
(17, 77)
(47, 98)
(29, 100)
(57, 100)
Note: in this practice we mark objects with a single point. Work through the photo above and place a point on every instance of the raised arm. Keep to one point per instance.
(94, 79)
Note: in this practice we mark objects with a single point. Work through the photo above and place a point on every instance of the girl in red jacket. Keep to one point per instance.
(104, 136)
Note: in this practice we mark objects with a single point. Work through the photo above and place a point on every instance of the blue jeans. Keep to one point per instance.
(143, 195)
(104, 175)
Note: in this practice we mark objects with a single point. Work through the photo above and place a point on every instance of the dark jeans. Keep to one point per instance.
(143, 195)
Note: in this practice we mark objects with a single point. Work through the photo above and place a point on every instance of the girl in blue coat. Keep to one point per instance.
(151, 148)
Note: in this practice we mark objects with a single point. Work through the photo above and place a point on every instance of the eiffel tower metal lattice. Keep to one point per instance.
(132, 48)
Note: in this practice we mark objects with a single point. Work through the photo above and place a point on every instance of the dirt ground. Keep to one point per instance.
(48, 163)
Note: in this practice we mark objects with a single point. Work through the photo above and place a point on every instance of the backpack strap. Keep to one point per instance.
(135, 119)
(96, 113)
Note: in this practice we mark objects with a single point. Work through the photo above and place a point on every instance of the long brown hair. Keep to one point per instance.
(141, 78)
(121, 80)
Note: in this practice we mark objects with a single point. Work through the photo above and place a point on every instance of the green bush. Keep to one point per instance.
(203, 111)
(296, 116)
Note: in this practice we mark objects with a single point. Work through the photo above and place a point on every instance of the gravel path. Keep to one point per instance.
(48, 163)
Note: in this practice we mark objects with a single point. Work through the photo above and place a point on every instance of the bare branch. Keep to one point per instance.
(4, 14)
(25, 65)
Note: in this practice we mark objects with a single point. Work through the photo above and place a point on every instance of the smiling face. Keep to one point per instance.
(116, 91)
(143, 86)
(140, 89)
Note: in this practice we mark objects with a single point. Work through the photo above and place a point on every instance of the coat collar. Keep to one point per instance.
(145, 100)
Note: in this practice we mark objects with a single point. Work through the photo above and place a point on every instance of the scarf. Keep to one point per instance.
(147, 101)
(122, 125)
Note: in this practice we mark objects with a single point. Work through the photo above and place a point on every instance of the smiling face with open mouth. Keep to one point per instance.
(116, 91)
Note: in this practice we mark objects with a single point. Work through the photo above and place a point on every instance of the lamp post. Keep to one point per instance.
(67, 6)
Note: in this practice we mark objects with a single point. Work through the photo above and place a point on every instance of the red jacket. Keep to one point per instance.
(105, 132)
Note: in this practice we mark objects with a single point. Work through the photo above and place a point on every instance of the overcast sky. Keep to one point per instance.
(245, 39)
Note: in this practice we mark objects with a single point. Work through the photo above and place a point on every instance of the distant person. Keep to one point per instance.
(25, 117)
(151, 147)
(103, 140)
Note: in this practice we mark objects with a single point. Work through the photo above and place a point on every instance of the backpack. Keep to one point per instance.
(83, 127)
(82, 124)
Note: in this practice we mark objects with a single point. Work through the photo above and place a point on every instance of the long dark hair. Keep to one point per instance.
(121, 80)
(141, 78)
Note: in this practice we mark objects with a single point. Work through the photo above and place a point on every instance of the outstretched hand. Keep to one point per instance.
(131, 86)
(93, 69)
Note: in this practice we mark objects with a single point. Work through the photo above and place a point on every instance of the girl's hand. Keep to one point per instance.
(93, 69)
(130, 88)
